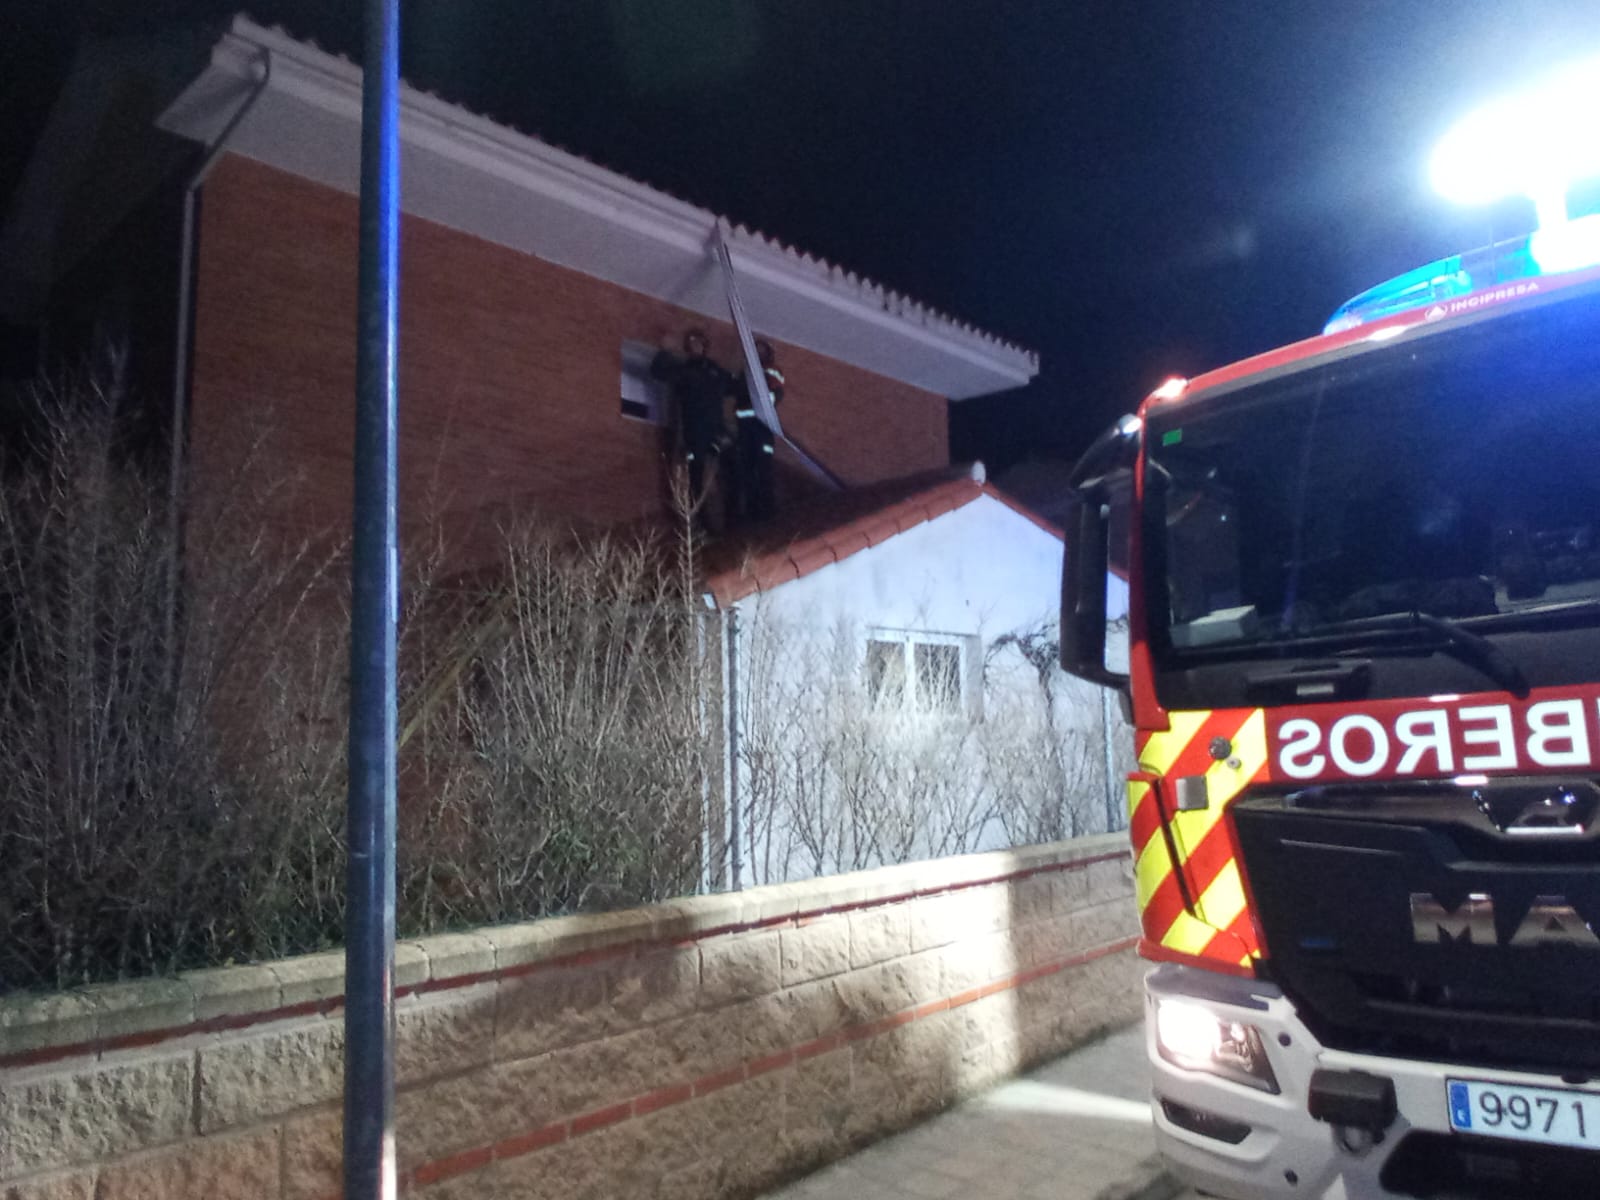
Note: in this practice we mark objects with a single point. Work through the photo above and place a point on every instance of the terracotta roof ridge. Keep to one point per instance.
(760, 570)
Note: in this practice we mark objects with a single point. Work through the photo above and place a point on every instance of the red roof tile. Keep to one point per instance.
(847, 542)
(878, 528)
(811, 556)
(839, 525)
(936, 504)
(773, 570)
(910, 513)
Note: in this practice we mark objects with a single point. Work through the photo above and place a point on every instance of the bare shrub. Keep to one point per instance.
(567, 767)
(834, 778)
(1044, 744)
(140, 827)
(172, 742)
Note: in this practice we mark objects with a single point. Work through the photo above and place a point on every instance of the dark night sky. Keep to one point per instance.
(1133, 189)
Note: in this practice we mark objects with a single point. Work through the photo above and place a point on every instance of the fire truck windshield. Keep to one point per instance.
(1455, 474)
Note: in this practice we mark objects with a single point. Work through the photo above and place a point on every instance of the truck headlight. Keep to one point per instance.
(1193, 1037)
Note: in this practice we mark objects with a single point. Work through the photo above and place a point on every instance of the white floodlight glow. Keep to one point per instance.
(1535, 143)
(1568, 247)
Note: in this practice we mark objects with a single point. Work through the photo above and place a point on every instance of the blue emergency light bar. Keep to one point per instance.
(1570, 246)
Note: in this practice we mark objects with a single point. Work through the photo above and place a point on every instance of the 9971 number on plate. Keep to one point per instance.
(1531, 1114)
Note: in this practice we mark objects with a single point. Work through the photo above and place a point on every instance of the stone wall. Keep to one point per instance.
(708, 1047)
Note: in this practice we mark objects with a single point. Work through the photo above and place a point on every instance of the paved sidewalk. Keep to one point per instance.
(1075, 1129)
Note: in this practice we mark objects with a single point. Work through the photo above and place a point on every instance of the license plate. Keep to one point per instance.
(1530, 1114)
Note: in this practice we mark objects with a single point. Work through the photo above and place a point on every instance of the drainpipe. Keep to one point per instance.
(730, 692)
(710, 872)
(182, 349)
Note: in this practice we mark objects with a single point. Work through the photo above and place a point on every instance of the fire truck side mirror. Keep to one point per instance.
(1102, 474)
(1083, 592)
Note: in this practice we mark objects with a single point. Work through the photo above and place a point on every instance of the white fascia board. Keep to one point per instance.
(465, 171)
(973, 365)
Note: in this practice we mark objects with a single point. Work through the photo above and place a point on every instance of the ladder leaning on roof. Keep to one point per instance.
(755, 377)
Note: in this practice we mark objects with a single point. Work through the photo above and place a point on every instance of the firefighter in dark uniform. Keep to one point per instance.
(756, 441)
(699, 387)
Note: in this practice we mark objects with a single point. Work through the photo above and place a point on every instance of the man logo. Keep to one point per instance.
(1550, 920)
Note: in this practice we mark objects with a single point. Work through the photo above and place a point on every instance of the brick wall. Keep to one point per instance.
(509, 369)
(703, 1048)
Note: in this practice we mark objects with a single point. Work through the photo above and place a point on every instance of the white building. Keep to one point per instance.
(893, 686)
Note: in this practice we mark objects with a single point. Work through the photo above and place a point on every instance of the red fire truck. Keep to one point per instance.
(1364, 673)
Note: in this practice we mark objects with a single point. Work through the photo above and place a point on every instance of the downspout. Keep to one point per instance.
(730, 693)
(709, 871)
(182, 348)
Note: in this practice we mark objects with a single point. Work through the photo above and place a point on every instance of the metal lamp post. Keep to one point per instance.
(369, 1157)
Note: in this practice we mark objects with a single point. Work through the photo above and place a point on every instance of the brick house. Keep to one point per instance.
(190, 217)
(535, 284)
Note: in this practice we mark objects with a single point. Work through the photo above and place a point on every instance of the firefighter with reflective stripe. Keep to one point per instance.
(756, 449)
(699, 386)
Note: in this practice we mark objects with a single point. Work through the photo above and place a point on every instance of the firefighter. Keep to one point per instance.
(756, 441)
(699, 387)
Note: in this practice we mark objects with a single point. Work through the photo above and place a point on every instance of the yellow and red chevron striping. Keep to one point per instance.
(1243, 930)
(1164, 908)
(1194, 756)
(1144, 821)
(1218, 926)
(1210, 859)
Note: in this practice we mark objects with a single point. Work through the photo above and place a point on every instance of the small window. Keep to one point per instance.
(644, 397)
(921, 672)
(886, 673)
(938, 674)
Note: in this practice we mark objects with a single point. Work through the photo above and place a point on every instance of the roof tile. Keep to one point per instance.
(812, 555)
(949, 497)
(877, 528)
(905, 515)
(848, 541)
(774, 569)
(731, 588)
(801, 555)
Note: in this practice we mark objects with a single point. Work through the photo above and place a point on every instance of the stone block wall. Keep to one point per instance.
(708, 1047)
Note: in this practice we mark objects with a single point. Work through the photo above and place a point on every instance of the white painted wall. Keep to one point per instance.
(981, 569)
(980, 572)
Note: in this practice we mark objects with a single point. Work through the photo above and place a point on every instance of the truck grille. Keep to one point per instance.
(1419, 920)
(1450, 1166)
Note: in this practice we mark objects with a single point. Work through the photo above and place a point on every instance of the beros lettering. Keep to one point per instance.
(1441, 740)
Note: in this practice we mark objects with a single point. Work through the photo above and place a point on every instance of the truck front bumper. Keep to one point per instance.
(1243, 1143)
